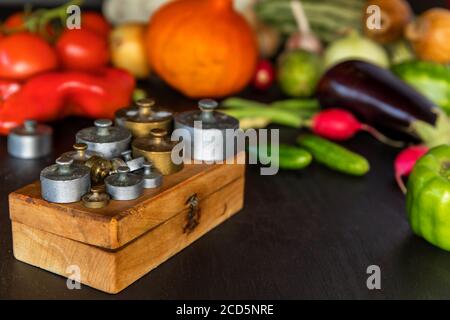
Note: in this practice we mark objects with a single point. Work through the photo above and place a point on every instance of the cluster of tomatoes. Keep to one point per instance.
(24, 54)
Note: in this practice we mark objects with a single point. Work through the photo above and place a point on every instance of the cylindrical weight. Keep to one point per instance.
(105, 139)
(30, 141)
(64, 182)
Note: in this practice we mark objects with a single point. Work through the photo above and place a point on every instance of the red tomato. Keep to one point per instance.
(82, 49)
(94, 21)
(24, 54)
(14, 21)
(17, 20)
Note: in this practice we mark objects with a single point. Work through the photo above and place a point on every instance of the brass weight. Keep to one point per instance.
(97, 198)
(148, 117)
(101, 168)
(158, 150)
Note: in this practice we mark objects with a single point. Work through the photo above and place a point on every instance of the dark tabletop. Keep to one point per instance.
(306, 234)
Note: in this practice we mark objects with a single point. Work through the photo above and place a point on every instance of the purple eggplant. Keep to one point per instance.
(377, 97)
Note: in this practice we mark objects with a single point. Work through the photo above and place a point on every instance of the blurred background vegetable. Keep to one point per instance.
(252, 114)
(341, 125)
(48, 71)
(380, 99)
(264, 75)
(355, 46)
(304, 38)
(394, 14)
(429, 35)
(213, 54)
(429, 78)
(25, 54)
(288, 158)
(329, 19)
(334, 156)
(427, 201)
(405, 161)
(54, 95)
(94, 21)
(82, 49)
(128, 49)
(298, 73)
(400, 51)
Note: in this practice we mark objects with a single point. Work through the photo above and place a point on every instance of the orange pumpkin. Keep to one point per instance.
(202, 48)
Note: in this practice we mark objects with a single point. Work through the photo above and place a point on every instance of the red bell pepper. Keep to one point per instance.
(55, 95)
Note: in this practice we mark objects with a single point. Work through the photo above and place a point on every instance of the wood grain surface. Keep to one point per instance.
(113, 270)
(122, 221)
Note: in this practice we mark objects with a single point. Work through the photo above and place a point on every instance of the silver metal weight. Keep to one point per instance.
(124, 185)
(65, 182)
(30, 141)
(152, 178)
(80, 154)
(133, 164)
(104, 138)
(208, 142)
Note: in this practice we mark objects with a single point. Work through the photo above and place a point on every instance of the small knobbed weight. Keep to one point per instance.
(100, 168)
(144, 117)
(133, 164)
(152, 178)
(64, 182)
(116, 163)
(30, 141)
(104, 138)
(80, 154)
(122, 114)
(96, 199)
(158, 150)
(206, 130)
(124, 185)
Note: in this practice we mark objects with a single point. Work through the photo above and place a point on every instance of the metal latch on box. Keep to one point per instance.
(193, 215)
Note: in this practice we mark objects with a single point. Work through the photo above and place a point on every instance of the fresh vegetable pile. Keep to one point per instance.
(344, 72)
(48, 71)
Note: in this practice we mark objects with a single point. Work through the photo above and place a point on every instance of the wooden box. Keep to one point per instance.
(116, 245)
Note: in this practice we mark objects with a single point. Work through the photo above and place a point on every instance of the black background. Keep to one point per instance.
(308, 234)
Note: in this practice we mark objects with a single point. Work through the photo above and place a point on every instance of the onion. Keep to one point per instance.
(429, 35)
(127, 45)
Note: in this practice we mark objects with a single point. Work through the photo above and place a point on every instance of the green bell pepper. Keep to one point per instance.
(428, 197)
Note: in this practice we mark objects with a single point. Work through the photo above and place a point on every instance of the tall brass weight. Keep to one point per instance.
(157, 148)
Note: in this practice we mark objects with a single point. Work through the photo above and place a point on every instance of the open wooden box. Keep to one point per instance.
(116, 245)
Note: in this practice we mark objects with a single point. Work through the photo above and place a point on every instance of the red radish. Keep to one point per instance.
(340, 125)
(405, 161)
(264, 76)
